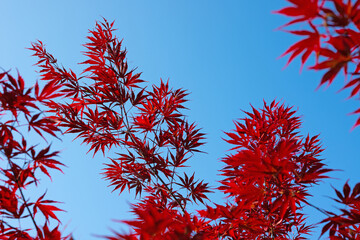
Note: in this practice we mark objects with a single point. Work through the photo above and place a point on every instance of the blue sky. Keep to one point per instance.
(224, 52)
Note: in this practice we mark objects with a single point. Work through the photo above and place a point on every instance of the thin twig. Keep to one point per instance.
(23, 197)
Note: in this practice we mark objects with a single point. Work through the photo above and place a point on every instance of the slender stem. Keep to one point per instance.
(319, 209)
(27, 207)
(7, 224)
(23, 196)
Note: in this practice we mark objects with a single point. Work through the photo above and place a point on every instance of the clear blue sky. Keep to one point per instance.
(224, 52)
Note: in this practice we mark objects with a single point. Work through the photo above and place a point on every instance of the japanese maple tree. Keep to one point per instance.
(266, 175)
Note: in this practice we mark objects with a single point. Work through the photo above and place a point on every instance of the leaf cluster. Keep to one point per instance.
(332, 35)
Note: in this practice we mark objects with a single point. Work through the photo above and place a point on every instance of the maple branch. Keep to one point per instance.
(151, 168)
(23, 196)
(319, 209)
(28, 209)
(158, 128)
(7, 224)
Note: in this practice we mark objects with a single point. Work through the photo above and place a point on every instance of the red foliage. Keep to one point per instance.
(332, 34)
(266, 178)
(337, 23)
(110, 109)
(22, 162)
(347, 224)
